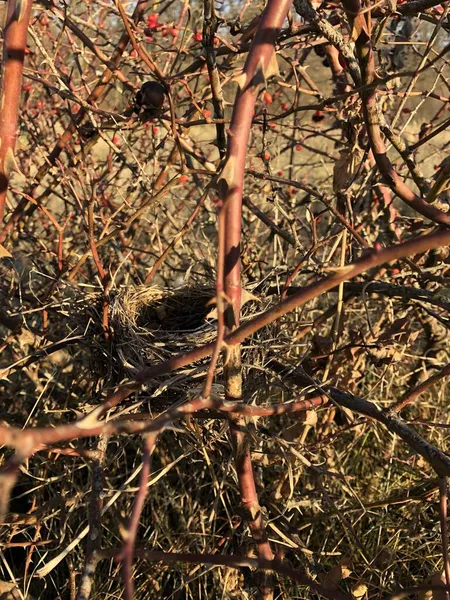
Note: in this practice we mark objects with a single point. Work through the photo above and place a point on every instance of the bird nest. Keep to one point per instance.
(151, 324)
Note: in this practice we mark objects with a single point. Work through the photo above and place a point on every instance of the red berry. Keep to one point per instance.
(183, 178)
(26, 87)
(133, 54)
(267, 98)
(406, 111)
(207, 113)
(164, 32)
(155, 130)
(285, 106)
(173, 32)
(280, 173)
(395, 271)
(116, 139)
(266, 156)
(299, 147)
(198, 37)
(152, 21)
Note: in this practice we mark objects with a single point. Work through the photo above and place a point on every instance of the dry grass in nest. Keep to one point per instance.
(151, 324)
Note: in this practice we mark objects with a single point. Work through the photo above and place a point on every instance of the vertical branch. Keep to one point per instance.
(150, 439)
(14, 43)
(96, 503)
(220, 304)
(444, 530)
(128, 547)
(9, 473)
(209, 29)
(249, 495)
(259, 67)
(87, 577)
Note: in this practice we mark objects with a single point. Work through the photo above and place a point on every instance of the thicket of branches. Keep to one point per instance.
(224, 298)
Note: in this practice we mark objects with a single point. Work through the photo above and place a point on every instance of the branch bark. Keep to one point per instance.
(14, 44)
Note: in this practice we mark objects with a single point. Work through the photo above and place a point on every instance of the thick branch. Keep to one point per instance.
(14, 44)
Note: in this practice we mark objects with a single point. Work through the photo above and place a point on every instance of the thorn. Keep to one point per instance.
(240, 79)
(10, 163)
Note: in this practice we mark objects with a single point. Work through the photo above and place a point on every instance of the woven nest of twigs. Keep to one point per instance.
(151, 324)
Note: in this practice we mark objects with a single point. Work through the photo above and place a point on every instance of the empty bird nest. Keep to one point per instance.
(151, 324)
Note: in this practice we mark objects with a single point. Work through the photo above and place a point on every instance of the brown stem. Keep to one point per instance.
(219, 304)
(94, 542)
(36, 439)
(443, 506)
(258, 68)
(128, 547)
(411, 395)
(87, 577)
(210, 25)
(14, 44)
(439, 461)
(9, 473)
(247, 487)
